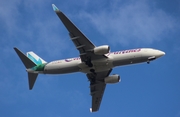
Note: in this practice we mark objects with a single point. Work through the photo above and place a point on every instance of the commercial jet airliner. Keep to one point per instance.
(96, 62)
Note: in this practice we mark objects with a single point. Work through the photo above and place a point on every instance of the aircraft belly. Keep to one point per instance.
(128, 59)
(98, 65)
(61, 68)
(102, 66)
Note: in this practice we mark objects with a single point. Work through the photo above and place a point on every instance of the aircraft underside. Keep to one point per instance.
(96, 62)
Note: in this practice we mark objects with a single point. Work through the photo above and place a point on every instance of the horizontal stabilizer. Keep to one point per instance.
(26, 61)
(28, 64)
(32, 79)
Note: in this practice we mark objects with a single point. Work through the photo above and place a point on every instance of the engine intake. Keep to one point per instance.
(112, 79)
(101, 50)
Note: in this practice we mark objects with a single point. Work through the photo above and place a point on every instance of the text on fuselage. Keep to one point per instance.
(117, 52)
(127, 51)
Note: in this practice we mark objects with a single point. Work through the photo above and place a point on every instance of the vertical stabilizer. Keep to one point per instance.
(35, 58)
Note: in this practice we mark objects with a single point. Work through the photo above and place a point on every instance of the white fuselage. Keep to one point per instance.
(113, 59)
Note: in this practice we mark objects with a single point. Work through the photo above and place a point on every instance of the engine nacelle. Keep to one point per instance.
(101, 50)
(112, 79)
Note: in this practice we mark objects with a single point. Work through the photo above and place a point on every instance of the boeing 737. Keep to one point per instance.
(96, 62)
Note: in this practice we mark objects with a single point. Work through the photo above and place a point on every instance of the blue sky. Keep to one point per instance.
(144, 91)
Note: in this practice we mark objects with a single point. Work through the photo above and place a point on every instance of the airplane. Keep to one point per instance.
(96, 62)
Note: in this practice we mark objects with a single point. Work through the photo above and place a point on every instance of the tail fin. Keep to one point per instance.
(28, 63)
(35, 58)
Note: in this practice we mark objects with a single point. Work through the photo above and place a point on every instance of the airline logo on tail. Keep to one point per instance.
(40, 63)
(35, 58)
(37, 62)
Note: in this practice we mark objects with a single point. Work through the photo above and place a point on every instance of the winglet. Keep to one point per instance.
(55, 8)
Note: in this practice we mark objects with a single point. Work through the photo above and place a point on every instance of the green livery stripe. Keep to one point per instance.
(39, 67)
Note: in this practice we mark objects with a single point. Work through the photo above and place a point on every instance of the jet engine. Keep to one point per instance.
(112, 79)
(101, 50)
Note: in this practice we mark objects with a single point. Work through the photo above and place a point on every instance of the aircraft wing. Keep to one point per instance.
(97, 87)
(82, 43)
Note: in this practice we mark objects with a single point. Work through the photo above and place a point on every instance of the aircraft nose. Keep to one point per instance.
(160, 53)
(163, 53)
